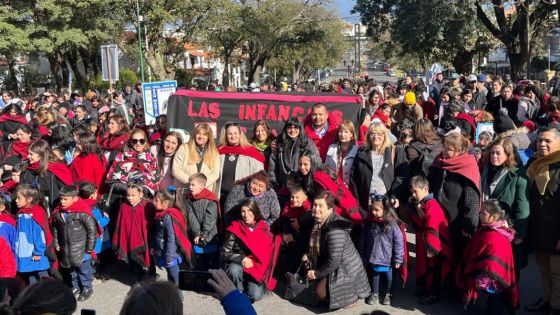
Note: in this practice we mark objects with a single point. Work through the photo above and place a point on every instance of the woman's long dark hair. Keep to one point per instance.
(253, 206)
(43, 149)
(161, 151)
(389, 212)
(89, 145)
(8, 108)
(61, 137)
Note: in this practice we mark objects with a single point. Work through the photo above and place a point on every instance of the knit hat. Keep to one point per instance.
(481, 78)
(503, 123)
(409, 98)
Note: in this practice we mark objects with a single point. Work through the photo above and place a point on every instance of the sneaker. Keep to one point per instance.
(372, 299)
(386, 299)
(539, 306)
(85, 295)
(76, 292)
(428, 299)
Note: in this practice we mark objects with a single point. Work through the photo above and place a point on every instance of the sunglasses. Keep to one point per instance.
(136, 141)
(231, 123)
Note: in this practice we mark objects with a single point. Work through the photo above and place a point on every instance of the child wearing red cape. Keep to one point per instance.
(434, 253)
(487, 265)
(131, 237)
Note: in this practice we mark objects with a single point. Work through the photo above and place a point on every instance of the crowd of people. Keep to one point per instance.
(470, 164)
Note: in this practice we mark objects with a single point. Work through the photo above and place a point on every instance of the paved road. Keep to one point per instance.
(109, 296)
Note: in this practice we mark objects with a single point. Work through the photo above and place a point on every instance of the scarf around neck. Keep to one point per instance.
(539, 172)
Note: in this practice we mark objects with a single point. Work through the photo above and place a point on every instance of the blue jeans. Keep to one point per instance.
(173, 276)
(35, 276)
(244, 282)
(82, 276)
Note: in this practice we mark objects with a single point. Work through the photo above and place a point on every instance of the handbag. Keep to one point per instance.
(299, 290)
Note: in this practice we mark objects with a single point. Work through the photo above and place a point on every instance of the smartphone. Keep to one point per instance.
(196, 281)
(86, 311)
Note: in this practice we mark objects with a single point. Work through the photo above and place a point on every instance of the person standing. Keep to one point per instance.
(543, 172)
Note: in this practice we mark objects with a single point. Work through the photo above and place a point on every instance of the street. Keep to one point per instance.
(109, 296)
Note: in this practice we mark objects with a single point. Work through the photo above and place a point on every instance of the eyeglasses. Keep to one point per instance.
(136, 141)
(292, 127)
(378, 135)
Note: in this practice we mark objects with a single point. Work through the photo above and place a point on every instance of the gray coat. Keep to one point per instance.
(267, 201)
(378, 247)
(339, 260)
(203, 219)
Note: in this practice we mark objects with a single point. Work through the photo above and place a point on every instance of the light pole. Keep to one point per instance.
(138, 29)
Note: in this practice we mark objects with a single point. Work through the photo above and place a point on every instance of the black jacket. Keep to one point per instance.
(233, 249)
(49, 186)
(75, 233)
(362, 171)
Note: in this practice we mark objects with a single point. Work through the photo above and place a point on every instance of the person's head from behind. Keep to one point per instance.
(493, 211)
(68, 196)
(153, 298)
(87, 190)
(297, 195)
(454, 145)
(165, 198)
(48, 296)
(419, 187)
(197, 182)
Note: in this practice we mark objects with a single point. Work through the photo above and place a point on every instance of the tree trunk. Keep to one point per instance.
(55, 69)
(516, 64)
(65, 72)
(84, 55)
(225, 74)
(13, 82)
(462, 62)
(72, 58)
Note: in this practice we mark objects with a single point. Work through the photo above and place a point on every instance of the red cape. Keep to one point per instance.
(39, 215)
(59, 170)
(20, 149)
(180, 230)
(263, 247)
(43, 131)
(346, 205)
(464, 165)
(9, 186)
(328, 138)
(207, 194)
(488, 252)
(295, 212)
(131, 238)
(432, 233)
(381, 115)
(89, 168)
(4, 217)
(18, 118)
(112, 142)
(249, 151)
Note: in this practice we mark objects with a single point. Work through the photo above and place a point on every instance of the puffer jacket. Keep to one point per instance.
(75, 233)
(378, 247)
(339, 260)
(164, 243)
(202, 216)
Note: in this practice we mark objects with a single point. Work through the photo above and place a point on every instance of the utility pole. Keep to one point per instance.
(357, 45)
(139, 19)
(548, 57)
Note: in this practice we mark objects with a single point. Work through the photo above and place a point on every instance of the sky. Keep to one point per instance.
(344, 7)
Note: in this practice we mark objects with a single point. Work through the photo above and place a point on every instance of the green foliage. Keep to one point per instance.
(127, 75)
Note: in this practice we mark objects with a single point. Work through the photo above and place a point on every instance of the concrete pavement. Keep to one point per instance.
(109, 295)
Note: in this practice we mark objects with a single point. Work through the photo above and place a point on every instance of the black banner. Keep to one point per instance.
(186, 108)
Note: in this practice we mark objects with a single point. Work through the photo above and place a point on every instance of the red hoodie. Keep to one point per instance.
(323, 143)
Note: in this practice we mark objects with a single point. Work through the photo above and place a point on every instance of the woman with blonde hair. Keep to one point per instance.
(238, 159)
(373, 170)
(198, 155)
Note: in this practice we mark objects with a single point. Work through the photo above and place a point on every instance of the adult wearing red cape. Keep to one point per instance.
(333, 258)
(11, 119)
(455, 182)
(17, 151)
(250, 251)
(45, 173)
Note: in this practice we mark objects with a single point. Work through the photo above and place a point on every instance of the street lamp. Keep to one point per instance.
(139, 19)
(478, 49)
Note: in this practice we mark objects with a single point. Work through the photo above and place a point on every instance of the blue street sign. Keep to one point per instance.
(155, 96)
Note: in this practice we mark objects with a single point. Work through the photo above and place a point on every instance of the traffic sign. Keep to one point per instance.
(155, 96)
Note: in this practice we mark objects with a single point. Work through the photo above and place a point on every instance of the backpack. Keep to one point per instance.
(421, 165)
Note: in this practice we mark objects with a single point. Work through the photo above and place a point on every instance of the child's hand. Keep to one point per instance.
(397, 266)
(196, 240)
(105, 214)
(35, 258)
(168, 262)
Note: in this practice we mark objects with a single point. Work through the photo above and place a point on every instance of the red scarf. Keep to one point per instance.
(249, 151)
(180, 230)
(402, 227)
(263, 247)
(207, 194)
(488, 252)
(17, 118)
(20, 149)
(43, 131)
(381, 115)
(39, 215)
(432, 233)
(346, 205)
(58, 169)
(464, 165)
(295, 212)
(131, 238)
(5, 217)
(112, 142)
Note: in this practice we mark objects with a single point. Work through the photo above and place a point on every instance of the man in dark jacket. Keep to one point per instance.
(74, 233)
(543, 173)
